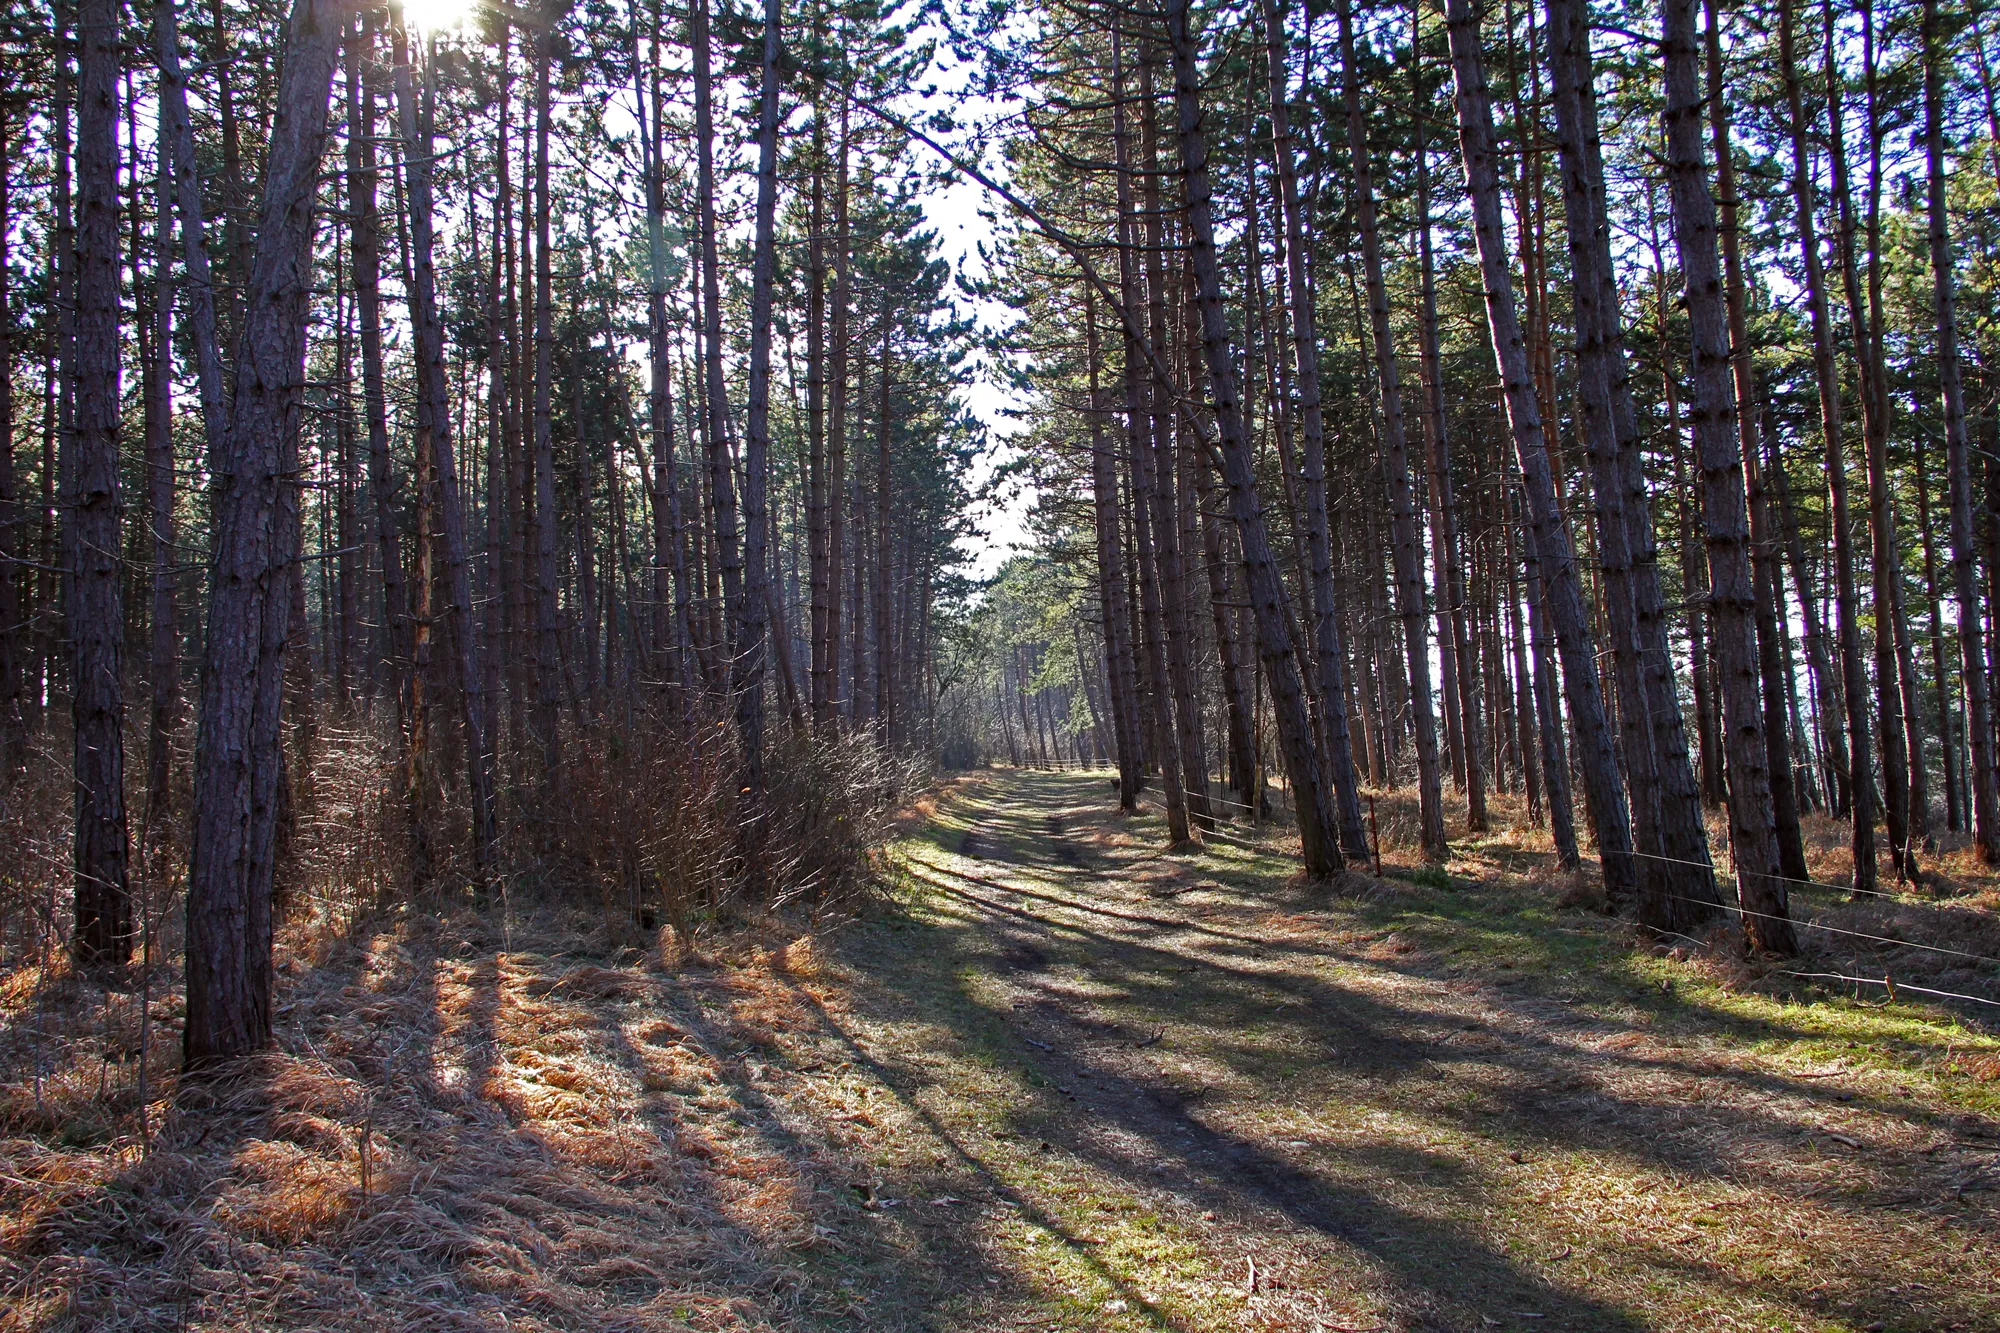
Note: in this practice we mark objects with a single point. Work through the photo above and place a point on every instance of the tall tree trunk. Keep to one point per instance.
(1318, 836)
(94, 511)
(1406, 541)
(1459, 671)
(1769, 617)
(1677, 891)
(1881, 521)
(1329, 652)
(1955, 816)
(1168, 551)
(238, 757)
(1732, 597)
(1604, 797)
(1140, 390)
(836, 418)
(1111, 577)
(13, 645)
(164, 667)
(715, 389)
(816, 489)
(1958, 463)
(752, 612)
(434, 419)
(668, 663)
(1847, 615)
(1554, 763)
(366, 257)
(879, 615)
(542, 505)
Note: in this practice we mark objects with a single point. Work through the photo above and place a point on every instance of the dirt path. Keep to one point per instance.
(1061, 1081)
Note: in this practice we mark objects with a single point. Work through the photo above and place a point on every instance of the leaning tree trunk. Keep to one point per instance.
(1406, 541)
(1732, 599)
(1677, 887)
(239, 760)
(93, 512)
(1958, 462)
(1318, 835)
(1562, 591)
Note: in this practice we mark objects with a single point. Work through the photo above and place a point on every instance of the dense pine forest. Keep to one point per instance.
(585, 589)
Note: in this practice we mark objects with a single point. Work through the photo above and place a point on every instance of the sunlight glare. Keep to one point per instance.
(437, 15)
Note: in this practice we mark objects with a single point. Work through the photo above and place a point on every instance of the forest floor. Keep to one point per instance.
(1057, 1080)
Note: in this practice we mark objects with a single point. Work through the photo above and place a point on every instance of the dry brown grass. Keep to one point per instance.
(474, 1115)
(450, 1134)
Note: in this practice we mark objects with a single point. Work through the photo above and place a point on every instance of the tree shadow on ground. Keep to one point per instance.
(1517, 1074)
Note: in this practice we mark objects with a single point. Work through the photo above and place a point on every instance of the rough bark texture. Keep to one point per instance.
(238, 757)
(1847, 615)
(1317, 830)
(1329, 653)
(1604, 797)
(94, 511)
(1406, 540)
(1677, 891)
(1712, 413)
(1958, 463)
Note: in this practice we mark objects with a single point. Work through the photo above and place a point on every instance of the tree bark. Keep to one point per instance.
(434, 420)
(1881, 522)
(1713, 409)
(715, 389)
(1318, 834)
(1406, 541)
(164, 667)
(1769, 619)
(238, 757)
(1604, 797)
(13, 654)
(94, 512)
(1958, 463)
(752, 612)
(1677, 890)
(1329, 653)
(1168, 554)
(1141, 387)
(543, 527)
(1847, 616)
(1111, 589)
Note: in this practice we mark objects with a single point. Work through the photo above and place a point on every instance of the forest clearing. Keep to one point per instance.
(1055, 1081)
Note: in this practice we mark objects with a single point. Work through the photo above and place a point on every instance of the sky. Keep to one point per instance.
(959, 210)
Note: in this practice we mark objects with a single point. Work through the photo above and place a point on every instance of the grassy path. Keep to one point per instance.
(1174, 1092)
(1058, 1081)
